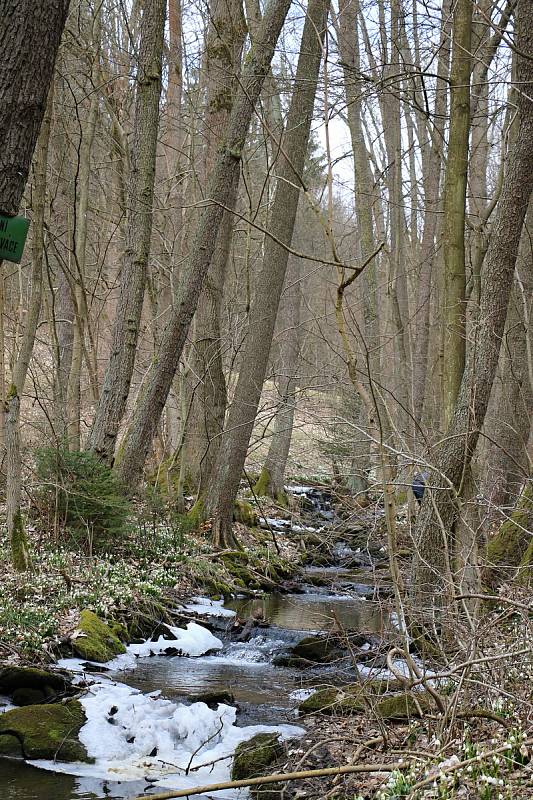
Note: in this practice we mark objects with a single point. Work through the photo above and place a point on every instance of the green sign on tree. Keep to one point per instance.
(13, 232)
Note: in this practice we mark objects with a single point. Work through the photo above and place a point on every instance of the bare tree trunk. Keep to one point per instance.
(87, 133)
(225, 41)
(117, 381)
(221, 194)
(455, 205)
(441, 507)
(432, 159)
(508, 421)
(366, 198)
(30, 33)
(223, 486)
(15, 526)
(271, 482)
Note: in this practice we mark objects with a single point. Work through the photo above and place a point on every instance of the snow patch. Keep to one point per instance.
(6, 704)
(194, 640)
(135, 736)
(207, 607)
(302, 694)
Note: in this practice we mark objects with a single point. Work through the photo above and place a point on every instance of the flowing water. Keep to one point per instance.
(263, 693)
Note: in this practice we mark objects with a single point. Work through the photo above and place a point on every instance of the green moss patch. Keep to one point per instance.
(44, 731)
(255, 755)
(244, 513)
(349, 700)
(12, 678)
(97, 641)
(403, 706)
(507, 549)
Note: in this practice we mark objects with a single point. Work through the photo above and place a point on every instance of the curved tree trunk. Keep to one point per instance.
(222, 490)
(508, 423)
(221, 192)
(438, 515)
(119, 371)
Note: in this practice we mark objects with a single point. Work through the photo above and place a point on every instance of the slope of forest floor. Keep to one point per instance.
(153, 569)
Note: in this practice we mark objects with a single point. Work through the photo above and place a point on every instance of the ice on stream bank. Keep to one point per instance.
(6, 704)
(135, 736)
(285, 525)
(209, 608)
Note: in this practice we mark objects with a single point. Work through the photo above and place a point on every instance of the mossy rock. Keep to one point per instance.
(13, 678)
(98, 642)
(334, 701)
(403, 706)
(346, 700)
(214, 697)
(28, 697)
(255, 755)
(292, 662)
(216, 588)
(244, 513)
(119, 630)
(44, 731)
(320, 649)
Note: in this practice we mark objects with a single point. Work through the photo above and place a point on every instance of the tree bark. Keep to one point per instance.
(222, 489)
(455, 182)
(119, 371)
(220, 194)
(366, 197)
(271, 481)
(432, 159)
(225, 41)
(30, 33)
(508, 421)
(15, 526)
(440, 509)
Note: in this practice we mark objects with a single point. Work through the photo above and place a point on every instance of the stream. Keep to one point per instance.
(263, 694)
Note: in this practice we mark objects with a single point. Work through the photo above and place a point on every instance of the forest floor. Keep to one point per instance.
(483, 688)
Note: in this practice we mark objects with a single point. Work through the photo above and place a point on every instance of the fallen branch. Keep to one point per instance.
(280, 778)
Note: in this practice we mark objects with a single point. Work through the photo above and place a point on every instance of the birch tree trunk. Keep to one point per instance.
(220, 194)
(119, 371)
(440, 509)
(222, 490)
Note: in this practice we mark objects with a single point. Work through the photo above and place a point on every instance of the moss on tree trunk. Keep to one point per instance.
(509, 549)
